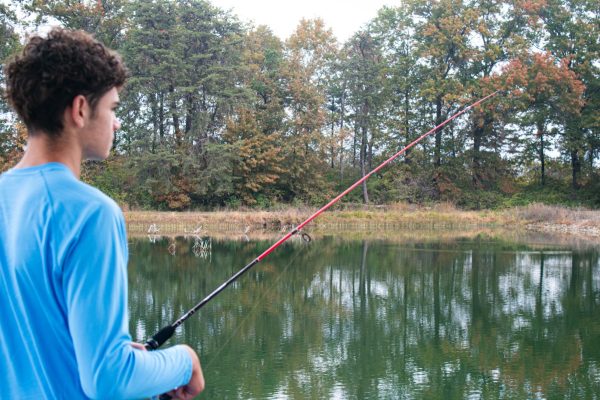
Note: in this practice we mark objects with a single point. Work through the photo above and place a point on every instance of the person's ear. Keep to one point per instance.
(79, 110)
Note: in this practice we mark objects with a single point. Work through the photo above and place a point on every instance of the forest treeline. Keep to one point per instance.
(218, 112)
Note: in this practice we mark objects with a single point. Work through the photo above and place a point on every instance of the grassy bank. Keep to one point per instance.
(380, 217)
(536, 217)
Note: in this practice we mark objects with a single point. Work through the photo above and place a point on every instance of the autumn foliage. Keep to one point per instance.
(221, 113)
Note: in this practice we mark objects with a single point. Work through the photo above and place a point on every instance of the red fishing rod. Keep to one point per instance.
(165, 333)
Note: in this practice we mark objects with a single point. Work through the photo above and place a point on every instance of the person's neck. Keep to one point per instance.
(42, 149)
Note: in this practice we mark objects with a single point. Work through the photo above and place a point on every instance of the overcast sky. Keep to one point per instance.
(344, 17)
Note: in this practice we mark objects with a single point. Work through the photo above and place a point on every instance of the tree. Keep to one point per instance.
(573, 28)
(498, 30)
(12, 134)
(258, 164)
(184, 58)
(550, 91)
(154, 53)
(309, 55)
(262, 72)
(443, 30)
(218, 112)
(393, 30)
(365, 76)
(105, 19)
(255, 131)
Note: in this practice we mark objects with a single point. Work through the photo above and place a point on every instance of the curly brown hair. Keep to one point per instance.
(43, 80)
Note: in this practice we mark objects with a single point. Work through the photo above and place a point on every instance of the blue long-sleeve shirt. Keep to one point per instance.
(63, 295)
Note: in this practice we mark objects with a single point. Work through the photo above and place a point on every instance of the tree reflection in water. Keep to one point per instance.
(373, 320)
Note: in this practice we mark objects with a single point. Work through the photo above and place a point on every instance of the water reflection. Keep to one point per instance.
(376, 320)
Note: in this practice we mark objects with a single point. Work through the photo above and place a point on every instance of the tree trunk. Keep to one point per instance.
(364, 148)
(173, 106)
(575, 136)
(342, 117)
(332, 133)
(483, 123)
(576, 168)
(438, 133)
(407, 126)
(191, 110)
(161, 117)
(540, 132)
(363, 162)
(355, 144)
(477, 137)
(452, 141)
(155, 123)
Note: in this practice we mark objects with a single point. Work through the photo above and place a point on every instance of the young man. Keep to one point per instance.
(63, 248)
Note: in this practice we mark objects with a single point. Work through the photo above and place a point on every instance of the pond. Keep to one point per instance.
(476, 318)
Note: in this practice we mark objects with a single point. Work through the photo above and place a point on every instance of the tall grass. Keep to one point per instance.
(393, 218)
(442, 215)
(542, 213)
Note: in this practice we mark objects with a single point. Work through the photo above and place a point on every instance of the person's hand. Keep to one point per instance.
(138, 346)
(196, 383)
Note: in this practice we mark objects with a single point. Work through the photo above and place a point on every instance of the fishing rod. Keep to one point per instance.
(165, 333)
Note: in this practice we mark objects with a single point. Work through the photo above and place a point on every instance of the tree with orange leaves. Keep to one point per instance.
(550, 93)
(573, 29)
(499, 31)
(445, 50)
(258, 164)
(310, 52)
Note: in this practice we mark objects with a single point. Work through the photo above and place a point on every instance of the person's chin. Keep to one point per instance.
(98, 157)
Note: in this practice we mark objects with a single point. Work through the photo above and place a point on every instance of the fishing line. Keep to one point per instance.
(252, 310)
(166, 396)
(165, 333)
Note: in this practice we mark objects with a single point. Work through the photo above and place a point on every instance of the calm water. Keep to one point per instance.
(477, 319)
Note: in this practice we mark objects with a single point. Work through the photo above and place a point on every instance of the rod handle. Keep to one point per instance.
(159, 338)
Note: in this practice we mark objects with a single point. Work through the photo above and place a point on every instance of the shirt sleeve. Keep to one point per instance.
(95, 289)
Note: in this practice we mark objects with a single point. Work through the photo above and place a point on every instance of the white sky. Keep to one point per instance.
(344, 17)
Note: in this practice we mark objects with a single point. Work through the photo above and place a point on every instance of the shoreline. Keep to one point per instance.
(380, 221)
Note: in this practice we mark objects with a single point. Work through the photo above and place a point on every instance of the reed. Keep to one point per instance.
(360, 218)
(387, 217)
(540, 213)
